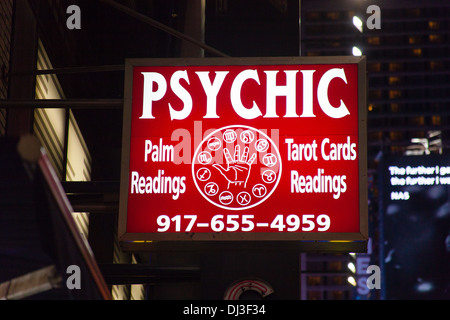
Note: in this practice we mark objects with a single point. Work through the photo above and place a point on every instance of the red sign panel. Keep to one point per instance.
(237, 149)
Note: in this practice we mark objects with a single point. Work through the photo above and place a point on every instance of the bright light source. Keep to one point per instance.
(424, 287)
(356, 51)
(352, 281)
(351, 267)
(358, 23)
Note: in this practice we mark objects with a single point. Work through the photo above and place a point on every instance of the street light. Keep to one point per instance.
(358, 23)
(351, 267)
(356, 51)
(352, 281)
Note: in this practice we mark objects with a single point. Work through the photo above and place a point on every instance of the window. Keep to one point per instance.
(337, 280)
(373, 40)
(333, 15)
(418, 121)
(378, 135)
(433, 25)
(395, 94)
(375, 94)
(395, 107)
(436, 65)
(334, 266)
(395, 67)
(413, 13)
(434, 38)
(314, 280)
(337, 295)
(315, 295)
(395, 136)
(396, 149)
(313, 16)
(394, 80)
(416, 52)
(414, 39)
(436, 120)
(374, 67)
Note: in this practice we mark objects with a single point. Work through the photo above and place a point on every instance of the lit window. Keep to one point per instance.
(435, 65)
(433, 25)
(434, 38)
(313, 16)
(395, 67)
(395, 107)
(393, 94)
(419, 121)
(414, 39)
(413, 12)
(373, 40)
(394, 80)
(417, 52)
(376, 135)
(375, 94)
(333, 15)
(395, 135)
(335, 265)
(335, 44)
(314, 280)
(396, 149)
(374, 67)
(436, 120)
(337, 295)
(315, 295)
(337, 280)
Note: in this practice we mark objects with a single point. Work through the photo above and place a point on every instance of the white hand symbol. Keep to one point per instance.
(238, 168)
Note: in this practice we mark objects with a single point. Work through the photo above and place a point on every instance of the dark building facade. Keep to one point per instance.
(406, 46)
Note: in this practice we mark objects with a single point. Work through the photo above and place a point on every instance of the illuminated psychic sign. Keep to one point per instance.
(244, 149)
